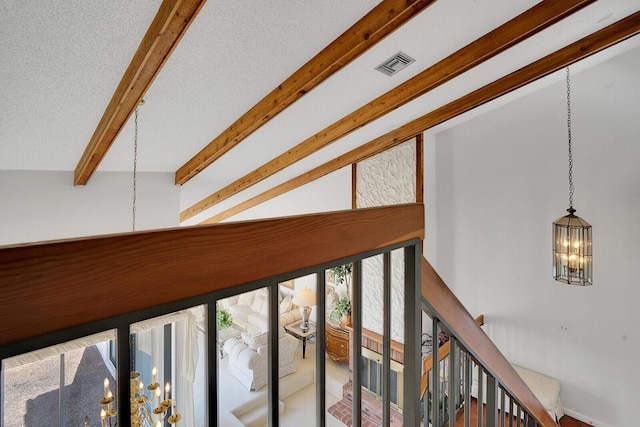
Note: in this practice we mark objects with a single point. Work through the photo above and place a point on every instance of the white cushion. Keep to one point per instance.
(264, 310)
(545, 388)
(246, 298)
(228, 302)
(257, 303)
(286, 304)
(240, 312)
(257, 341)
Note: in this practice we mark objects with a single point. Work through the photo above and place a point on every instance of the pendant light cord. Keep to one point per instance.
(571, 188)
(135, 168)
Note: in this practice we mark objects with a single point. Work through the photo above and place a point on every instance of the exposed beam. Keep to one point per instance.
(594, 43)
(169, 25)
(382, 20)
(516, 30)
(372, 148)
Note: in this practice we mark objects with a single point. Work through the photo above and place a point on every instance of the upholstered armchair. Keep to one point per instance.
(248, 357)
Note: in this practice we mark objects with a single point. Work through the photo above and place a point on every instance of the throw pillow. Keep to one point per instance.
(264, 310)
(285, 305)
(257, 304)
(246, 298)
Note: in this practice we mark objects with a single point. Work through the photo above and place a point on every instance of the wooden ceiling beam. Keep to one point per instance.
(163, 35)
(594, 43)
(532, 21)
(382, 20)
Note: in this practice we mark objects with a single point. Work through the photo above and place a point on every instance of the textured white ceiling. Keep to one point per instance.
(62, 60)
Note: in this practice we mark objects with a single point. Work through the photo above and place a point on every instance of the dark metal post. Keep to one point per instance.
(468, 376)
(412, 328)
(356, 337)
(1, 394)
(123, 369)
(386, 341)
(167, 362)
(454, 381)
(320, 349)
(273, 364)
(502, 407)
(213, 360)
(492, 400)
(61, 392)
(480, 400)
(435, 370)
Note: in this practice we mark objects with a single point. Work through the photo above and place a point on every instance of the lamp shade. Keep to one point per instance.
(572, 258)
(304, 298)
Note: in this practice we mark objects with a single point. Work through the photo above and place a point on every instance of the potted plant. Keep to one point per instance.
(341, 312)
(223, 318)
(342, 273)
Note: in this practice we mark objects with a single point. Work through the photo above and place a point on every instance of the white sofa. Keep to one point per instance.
(248, 357)
(250, 310)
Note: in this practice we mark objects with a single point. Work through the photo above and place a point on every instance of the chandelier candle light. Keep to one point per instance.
(145, 410)
(572, 259)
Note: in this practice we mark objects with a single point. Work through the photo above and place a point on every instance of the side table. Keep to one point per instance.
(294, 330)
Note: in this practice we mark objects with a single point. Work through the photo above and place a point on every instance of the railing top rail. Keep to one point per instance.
(457, 319)
(53, 286)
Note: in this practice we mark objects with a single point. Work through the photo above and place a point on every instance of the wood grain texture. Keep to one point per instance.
(165, 32)
(371, 148)
(581, 49)
(52, 286)
(451, 311)
(516, 30)
(382, 20)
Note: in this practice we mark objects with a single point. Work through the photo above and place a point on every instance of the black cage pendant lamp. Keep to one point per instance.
(572, 244)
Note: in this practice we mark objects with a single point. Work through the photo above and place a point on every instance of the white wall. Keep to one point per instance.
(42, 205)
(332, 192)
(501, 181)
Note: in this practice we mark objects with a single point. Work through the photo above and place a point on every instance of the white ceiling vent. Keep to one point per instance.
(394, 64)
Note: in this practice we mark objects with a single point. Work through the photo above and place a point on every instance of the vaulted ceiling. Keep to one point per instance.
(203, 120)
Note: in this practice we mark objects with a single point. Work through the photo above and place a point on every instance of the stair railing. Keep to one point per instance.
(56, 292)
(502, 397)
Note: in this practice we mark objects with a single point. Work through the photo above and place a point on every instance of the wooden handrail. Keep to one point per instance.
(443, 352)
(52, 286)
(453, 314)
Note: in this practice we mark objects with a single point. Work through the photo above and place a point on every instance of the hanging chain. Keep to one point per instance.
(135, 168)
(571, 188)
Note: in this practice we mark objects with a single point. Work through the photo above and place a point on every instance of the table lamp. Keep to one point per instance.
(305, 298)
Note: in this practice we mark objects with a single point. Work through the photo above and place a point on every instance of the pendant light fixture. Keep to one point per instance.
(135, 165)
(572, 260)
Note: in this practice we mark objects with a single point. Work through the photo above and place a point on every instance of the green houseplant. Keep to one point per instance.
(223, 318)
(342, 274)
(341, 311)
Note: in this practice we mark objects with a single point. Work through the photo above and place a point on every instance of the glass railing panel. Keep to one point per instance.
(370, 364)
(298, 325)
(338, 285)
(166, 361)
(62, 384)
(243, 359)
